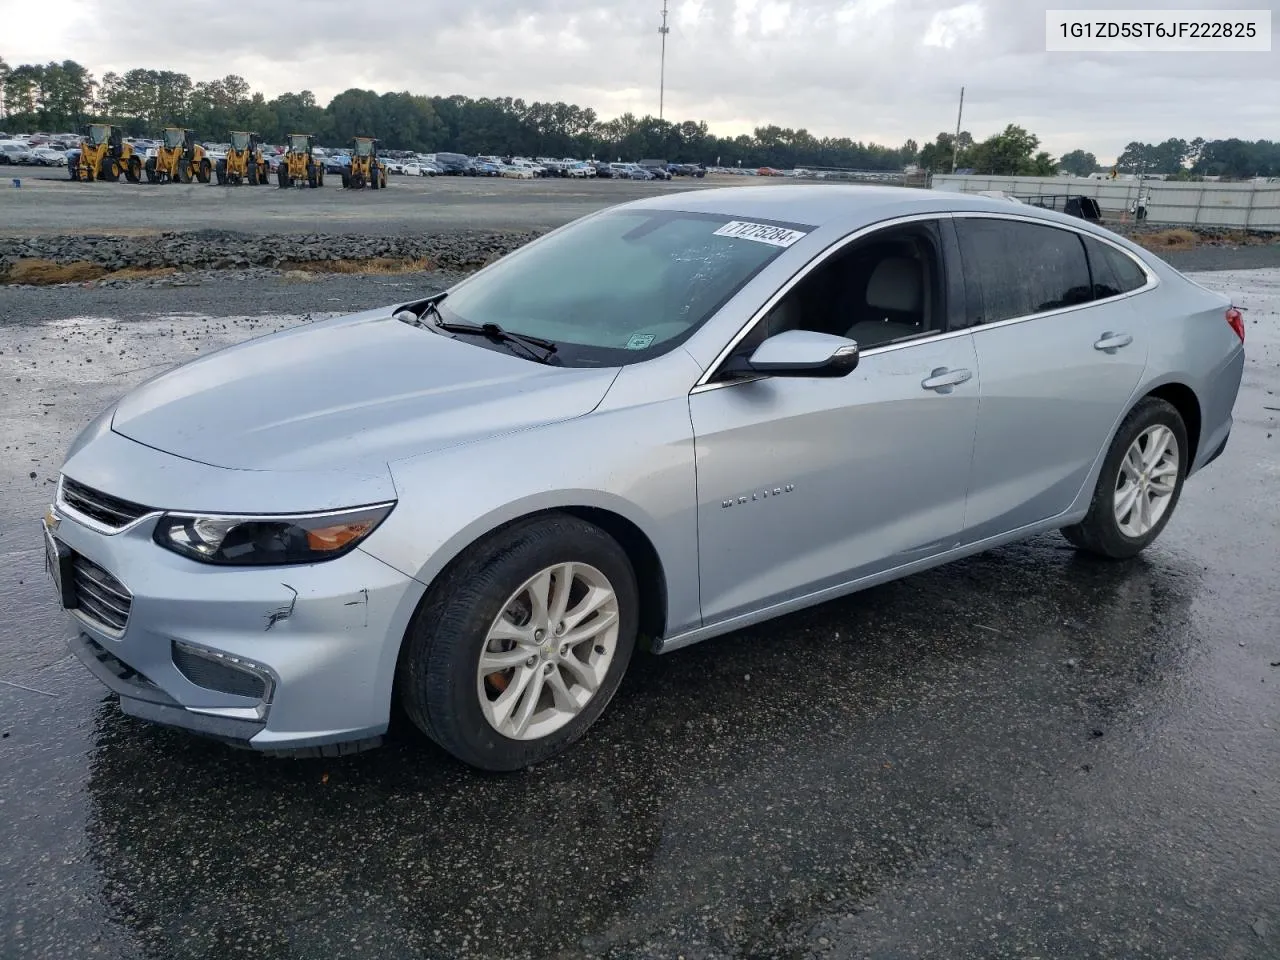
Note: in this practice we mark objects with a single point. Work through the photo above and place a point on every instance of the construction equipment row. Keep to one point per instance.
(104, 155)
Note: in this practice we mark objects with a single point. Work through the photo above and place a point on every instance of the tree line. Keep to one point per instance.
(61, 97)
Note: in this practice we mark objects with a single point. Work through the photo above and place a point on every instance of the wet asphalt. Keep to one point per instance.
(1024, 754)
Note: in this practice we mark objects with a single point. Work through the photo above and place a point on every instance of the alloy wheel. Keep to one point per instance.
(1147, 481)
(548, 651)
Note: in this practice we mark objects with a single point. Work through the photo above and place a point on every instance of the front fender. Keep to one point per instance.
(636, 462)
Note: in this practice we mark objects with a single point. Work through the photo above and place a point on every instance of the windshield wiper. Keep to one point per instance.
(536, 347)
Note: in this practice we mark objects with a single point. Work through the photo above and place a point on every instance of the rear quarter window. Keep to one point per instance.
(1114, 272)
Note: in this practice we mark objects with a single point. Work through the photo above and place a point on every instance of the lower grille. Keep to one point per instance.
(221, 672)
(100, 597)
(117, 666)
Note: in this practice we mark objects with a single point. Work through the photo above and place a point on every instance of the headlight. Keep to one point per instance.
(268, 540)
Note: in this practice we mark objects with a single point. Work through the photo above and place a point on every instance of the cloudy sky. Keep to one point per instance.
(878, 70)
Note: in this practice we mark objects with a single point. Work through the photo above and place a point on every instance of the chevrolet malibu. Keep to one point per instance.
(663, 422)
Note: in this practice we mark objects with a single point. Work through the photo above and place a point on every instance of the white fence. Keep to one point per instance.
(1251, 206)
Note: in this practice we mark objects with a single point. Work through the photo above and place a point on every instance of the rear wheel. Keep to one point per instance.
(251, 172)
(375, 177)
(184, 170)
(133, 170)
(282, 177)
(109, 169)
(150, 169)
(522, 643)
(346, 181)
(1139, 486)
(204, 172)
(220, 171)
(311, 175)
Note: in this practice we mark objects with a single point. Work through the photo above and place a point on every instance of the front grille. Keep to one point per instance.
(102, 507)
(100, 597)
(220, 672)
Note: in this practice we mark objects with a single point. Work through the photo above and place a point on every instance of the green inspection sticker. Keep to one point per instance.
(639, 341)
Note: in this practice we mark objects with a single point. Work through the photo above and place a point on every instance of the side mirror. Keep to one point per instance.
(804, 353)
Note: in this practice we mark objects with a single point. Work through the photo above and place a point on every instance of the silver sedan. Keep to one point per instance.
(660, 423)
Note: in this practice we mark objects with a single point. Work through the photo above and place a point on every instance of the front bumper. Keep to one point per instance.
(278, 659)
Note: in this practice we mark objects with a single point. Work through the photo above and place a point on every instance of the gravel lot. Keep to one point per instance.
(49, 203)
(1024, 754)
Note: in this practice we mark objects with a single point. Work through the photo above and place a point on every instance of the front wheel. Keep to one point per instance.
(1140, 483)
(282, 178)
(522, 643)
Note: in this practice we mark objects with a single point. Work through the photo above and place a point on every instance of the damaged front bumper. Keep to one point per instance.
(279, 659)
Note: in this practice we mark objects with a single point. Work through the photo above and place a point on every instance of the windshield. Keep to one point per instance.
(621, 287)
(239, 141)
(364, 148)
(99, 133)
(173, 138)
(299, 143)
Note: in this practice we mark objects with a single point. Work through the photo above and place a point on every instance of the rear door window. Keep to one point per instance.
(1022, 268)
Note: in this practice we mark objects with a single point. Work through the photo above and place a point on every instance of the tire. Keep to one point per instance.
(133, 170)
(437, 678)
(374, 176)
(346, 181)
(251, 172)
(220, 171)
(73, 171)
(108, 169)
(282, 178)
(1101, 532)
(204, 172)
(150, 169)
(184, 170)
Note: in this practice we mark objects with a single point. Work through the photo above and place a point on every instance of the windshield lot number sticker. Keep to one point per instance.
(639, 341)
(760, 233)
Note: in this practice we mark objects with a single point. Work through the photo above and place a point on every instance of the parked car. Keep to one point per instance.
(393, 166)
(452, 164)
(480, 167)
(516, 172)
(604, 170)
(337, 163)
(16, 152)
(260, 547)
(656, 167)
(49, 157)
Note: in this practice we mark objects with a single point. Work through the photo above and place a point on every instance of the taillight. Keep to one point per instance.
(1235, 319)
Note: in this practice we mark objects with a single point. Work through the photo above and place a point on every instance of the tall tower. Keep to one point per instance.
(662, 76)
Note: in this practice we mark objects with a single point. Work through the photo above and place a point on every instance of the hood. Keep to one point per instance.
(347, 391)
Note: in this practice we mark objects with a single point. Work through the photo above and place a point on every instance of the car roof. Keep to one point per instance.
(844, 206)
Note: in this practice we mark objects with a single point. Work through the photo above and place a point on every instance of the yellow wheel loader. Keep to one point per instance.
(104, 156)
(179, 159)
(298, 165)
(244, 162)
(366, 170)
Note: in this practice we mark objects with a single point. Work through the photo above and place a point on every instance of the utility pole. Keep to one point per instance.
(662, 76)
(955, 144)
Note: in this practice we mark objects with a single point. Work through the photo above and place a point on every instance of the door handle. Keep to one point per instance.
(943, 379)
(1111, 342)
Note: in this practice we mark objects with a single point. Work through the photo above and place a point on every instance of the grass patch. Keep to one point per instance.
(1180, 239)
(45, 273)
(376, 266)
